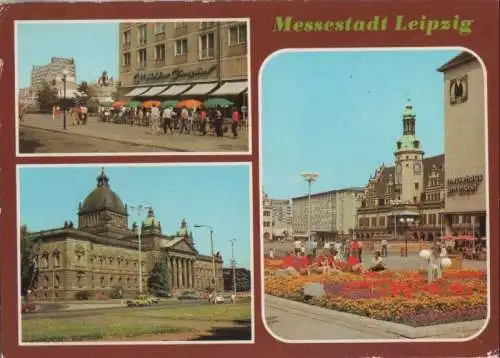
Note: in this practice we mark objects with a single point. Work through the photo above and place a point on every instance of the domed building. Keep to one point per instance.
(101, 254)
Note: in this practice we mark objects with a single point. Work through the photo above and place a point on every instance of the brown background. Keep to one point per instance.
(484, 41)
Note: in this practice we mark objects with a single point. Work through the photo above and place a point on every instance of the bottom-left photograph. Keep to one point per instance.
(135, 253)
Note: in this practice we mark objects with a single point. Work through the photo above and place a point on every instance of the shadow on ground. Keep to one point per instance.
(28, 144)
(241, 332)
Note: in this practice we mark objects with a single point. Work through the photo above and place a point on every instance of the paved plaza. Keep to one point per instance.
(40, 134)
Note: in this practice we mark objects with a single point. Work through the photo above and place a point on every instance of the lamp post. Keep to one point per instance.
(213, 254)
(309, 177)
(140, 209)
(64, 79)
(395, 204)
(406, 222)
(233, 264)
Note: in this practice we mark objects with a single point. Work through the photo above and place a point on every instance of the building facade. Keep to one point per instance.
(52, 73)
(405, 200)
(465, 145)
(333, 213)
(277, 218)
(101, 255)
(191, 59)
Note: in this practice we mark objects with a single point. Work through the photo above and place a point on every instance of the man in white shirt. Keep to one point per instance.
(298, 245)
(167, 120)
(155, 119)
(384, 248)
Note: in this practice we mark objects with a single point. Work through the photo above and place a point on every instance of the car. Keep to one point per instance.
(219, 299)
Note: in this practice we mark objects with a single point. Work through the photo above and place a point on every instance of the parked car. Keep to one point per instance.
(219, 299)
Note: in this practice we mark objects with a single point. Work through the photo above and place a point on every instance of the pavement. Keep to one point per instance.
(119, 138)
(296, 321)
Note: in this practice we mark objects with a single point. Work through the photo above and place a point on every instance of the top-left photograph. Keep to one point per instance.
(132, 87)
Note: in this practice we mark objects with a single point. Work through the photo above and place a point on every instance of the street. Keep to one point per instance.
(38, 133)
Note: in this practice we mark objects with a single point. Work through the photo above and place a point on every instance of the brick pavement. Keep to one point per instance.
(138, 135)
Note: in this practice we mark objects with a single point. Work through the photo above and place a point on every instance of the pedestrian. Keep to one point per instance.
(314, 247)
(297, 245)
(190, 119)
(203, 121)
(219, 121)
(384, 248)
(360, 250)
(155, 119)
(184, 120)
(167, 120)
(235, 122)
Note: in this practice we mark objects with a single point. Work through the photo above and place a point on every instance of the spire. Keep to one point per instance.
(102, 179)
(409, 118)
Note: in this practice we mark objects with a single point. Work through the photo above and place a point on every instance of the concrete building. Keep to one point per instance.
(465, 145)
(184, 59)
(277, 218)
(52, 73)
(101, 254)
(333, 213)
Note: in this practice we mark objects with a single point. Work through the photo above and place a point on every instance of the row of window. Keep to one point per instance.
(206, 46)
(426, 219)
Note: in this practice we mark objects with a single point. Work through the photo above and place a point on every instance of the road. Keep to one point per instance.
(106, 137)
(32, 140)
(92, 312)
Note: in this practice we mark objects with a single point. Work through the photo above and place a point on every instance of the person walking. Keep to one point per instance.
(219, 121)
(235, 122)
(155, 119)
(184, 120)
(384, 248)
(203, 121)
(167, 120)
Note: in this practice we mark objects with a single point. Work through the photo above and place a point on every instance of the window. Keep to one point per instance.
(159, 28)
(142, 34)
(179, 24)
(206, 24)
(181, 47)
(141, 58)
(417, 186)
(382, 221)
(238, 35)
(207, 45)
(126, 59)
(267, 213)
(374, 222)
(126, 38)
(160, 53)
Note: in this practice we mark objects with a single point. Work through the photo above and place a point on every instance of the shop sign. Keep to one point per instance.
(464, 185)
(175, 75)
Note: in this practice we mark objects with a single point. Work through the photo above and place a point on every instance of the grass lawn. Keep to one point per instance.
(131, 323)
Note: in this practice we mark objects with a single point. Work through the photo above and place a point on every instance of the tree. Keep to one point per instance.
(29, 250)
(47, 97)
(158, 281)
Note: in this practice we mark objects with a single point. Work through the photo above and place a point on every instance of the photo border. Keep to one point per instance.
(263, 66)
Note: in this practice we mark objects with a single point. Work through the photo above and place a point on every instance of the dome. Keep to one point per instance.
(150, 220)
(102, 197)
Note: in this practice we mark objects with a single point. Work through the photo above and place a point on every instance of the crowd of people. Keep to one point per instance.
(184, 120)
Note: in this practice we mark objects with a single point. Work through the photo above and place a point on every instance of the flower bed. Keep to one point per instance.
(398, 296)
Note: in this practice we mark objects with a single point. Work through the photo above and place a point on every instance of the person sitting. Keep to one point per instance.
(377, 262)
(353, 263)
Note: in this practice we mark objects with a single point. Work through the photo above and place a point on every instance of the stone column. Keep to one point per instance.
(185, 273)
(174, 273)
(179, 273)
(191, 274)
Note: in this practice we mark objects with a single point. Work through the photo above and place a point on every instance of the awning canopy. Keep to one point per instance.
(137, 91)
(175, 90)
(200, 89)
(231, 88)
(153, 91)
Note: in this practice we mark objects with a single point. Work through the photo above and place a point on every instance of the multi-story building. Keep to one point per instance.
(53, 74)
(465, 145)
(333, 213)
(277, 218)
(101, 254)
(417, 198)
(184, 59)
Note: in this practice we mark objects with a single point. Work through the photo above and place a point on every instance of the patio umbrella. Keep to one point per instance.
(169, 103)
(189, 103)
(149, 104)
(133, 104)
(217, 102)
(119, 104)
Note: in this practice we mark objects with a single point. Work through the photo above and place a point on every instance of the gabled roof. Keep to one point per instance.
(179, 241)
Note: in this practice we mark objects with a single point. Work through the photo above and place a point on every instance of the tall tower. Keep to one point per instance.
(408, 159)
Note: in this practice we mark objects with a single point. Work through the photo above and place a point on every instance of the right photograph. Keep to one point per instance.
(374, 195)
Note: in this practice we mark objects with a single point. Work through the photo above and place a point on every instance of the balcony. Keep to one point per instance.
(207, 53)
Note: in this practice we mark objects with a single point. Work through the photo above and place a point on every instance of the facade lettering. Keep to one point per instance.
(464, 185)
(173, 76)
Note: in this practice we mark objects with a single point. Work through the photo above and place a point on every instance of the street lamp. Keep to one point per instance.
(406, 222)
(309, 177)
(140, 209)
(64, 79)
(233, 264)
(395, 204)
(213, 255)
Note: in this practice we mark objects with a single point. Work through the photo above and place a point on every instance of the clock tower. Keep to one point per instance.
(408, 159)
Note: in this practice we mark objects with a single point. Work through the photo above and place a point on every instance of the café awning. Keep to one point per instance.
(153, 91)
(137, 91)
(175, 90)
(231, 88)
(200, 89)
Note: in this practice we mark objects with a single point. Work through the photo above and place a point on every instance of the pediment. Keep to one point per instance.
(182, 245)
